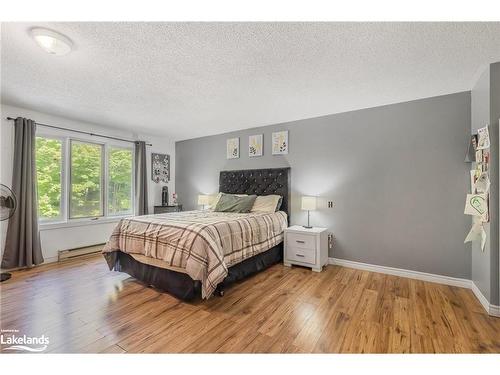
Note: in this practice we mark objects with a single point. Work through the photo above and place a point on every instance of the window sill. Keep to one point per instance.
(79, 222)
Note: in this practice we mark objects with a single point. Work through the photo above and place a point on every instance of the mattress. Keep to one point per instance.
(202, 244)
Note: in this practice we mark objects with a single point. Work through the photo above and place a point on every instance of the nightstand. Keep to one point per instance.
(166, 209)
(306, 247)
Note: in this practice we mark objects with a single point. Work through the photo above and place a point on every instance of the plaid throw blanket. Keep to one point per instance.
(202, 244)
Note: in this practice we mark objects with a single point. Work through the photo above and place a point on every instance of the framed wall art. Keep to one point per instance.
(255, 143)
(280, 143)
(233, 148)
(160, 167)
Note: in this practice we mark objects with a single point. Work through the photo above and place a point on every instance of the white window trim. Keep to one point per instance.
(79, 222)
(64, 221)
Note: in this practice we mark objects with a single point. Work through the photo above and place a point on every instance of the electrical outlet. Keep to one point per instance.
(330, 241)
(330, 204)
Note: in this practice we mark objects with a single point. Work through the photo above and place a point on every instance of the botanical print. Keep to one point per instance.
(160, 167)
(255, 145)
(280, 143)
(233, 148)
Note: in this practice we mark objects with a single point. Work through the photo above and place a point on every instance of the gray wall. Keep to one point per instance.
(480, 116)
(485, 109)
(396, 174)
(494, 174)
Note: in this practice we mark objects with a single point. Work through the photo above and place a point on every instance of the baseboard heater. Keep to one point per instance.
(79, 251)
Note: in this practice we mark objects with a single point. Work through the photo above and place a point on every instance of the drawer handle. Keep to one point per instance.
(300, 255)
(300, 241)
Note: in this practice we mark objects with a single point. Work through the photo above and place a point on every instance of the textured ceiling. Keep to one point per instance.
(187, 80)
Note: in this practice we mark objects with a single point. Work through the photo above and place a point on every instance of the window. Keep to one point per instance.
(86, 180)
(99, 180)
(120, 181)
(49, 154)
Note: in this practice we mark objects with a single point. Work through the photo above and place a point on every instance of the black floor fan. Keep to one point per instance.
(8, 204)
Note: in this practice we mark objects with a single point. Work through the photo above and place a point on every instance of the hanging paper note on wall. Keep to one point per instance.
(477, 233)
(477, 205)
(471, 149)
(479, 156)
(486, 161)
(482, 184)
(483, 138)
(473, 181)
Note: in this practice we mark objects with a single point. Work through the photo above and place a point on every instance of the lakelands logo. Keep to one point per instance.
(25, 343)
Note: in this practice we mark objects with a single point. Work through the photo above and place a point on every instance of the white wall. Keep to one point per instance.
(55, 239)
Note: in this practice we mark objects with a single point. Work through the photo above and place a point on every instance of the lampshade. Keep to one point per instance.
(309, 203)
(203, 199)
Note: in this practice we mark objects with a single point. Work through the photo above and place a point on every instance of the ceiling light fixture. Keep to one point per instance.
(51, 41)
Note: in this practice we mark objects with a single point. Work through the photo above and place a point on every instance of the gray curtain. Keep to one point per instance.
(22, 244)
(141, 179)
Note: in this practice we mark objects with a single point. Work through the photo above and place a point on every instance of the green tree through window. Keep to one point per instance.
(48, 168)
(99, 183)
(86, 177)
(120, 181)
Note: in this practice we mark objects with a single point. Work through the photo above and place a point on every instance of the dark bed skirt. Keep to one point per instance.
(181, 285)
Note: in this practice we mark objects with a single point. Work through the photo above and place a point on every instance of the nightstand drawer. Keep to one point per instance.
(301, 255)
(301, 241)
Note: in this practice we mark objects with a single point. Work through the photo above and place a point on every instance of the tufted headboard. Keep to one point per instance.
(258, 181)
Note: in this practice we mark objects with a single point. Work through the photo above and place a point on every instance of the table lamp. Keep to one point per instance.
(203, 200)
(309, 204)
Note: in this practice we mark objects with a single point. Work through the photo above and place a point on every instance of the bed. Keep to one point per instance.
(198, 253)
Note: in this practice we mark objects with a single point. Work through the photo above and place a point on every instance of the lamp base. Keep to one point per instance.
(307, 226)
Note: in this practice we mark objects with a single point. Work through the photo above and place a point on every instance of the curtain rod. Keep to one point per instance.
(82, 132)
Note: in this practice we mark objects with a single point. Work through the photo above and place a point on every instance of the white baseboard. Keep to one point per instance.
(495, 310)
(46, 260)
(490, 309)
(481, 298)
(440, 279)
(52, 259)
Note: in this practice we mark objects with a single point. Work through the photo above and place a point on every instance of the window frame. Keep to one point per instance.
(64, 220)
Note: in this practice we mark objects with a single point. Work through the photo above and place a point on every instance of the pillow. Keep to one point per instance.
(233, 203)
(267, 203)
(215, 200)
(280, 202)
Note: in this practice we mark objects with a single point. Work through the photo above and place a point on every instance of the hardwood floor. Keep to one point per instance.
(83, 307)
